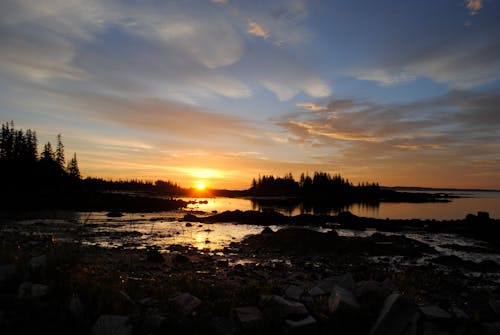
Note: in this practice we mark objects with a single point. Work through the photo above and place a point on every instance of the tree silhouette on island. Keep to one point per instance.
(40, 181)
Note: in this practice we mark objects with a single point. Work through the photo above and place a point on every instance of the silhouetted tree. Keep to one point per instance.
(59, 154)
(72, 169)
(47, 153)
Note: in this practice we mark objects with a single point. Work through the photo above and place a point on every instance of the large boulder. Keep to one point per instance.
(396, 317)
(346, 281)
(279, 307)
(371, 295)
(249, 318)
(306, 325)
(186, 303)
(342, 299)
(294, 292)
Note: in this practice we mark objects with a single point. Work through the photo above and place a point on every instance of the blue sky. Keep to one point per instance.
(398, 92)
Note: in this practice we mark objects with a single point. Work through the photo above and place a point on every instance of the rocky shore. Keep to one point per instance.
(290, 281)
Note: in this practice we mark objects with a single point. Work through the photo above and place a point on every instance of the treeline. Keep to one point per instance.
(23, 169)
(321, 185)
(159, 187)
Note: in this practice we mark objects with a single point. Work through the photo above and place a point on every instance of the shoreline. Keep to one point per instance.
(187, 290)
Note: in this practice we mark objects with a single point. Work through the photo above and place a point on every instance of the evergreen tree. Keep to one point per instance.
(59, 156)
(72, 170)
(47, 153)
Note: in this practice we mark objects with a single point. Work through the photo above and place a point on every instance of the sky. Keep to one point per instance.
(403, 93)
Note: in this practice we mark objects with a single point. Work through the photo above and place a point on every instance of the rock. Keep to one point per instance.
(433, 312)
(38, 263)
(495, 306)
(396, 316)
(294, 292)
(181, 259)
(346, 281)
(222, 326)
(7, 274)
(413, 326)
(267, 230)
(112, 324)
(153, 322)
(186, 303)
(389, 285)
(303, 326)
(76, 308)
(249, 318)
(28, 290)
(278, 307)
(371, 294)
(459, 313)
(39, 290)
(492, 328)
(316, 292)
(149, 302)
(189, 224)
(342, 299)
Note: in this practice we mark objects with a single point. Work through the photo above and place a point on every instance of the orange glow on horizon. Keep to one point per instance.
(201, 186)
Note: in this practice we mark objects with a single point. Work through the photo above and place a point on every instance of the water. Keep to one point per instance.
(458, 208)
(163, 229)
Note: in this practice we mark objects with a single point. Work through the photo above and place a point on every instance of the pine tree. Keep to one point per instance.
(72, 170)
(47, 153)
(60, 153)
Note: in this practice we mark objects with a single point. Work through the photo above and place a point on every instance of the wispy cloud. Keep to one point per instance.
(461, 65)
(450, 132)
(474, 6)
(311, 106)
(384, 77)
(257, 30)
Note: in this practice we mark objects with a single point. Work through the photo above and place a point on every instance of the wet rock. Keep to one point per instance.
(181, 259)
(279, 307)
(433, 312)
(249, 318)
(294, 292)
(153, 254)
(186, 303)
(267, 230)
(38, 263)
(28, 290)
(341, 298)
(112, 324)
(303, 326)
(396, 317)
(223, 263)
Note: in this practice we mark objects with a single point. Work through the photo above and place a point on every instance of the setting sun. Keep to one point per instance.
(201, 186)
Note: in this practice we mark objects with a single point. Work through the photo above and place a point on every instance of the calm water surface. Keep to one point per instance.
(471, 202)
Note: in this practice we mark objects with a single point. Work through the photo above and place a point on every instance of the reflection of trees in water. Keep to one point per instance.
(289, 206)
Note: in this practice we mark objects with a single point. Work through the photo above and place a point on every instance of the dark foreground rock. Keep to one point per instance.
(291, 281)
